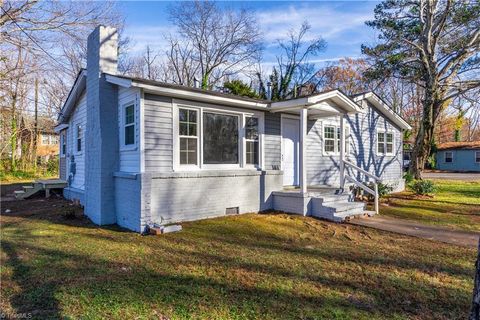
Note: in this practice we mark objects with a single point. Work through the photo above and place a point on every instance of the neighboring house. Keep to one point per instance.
(47, 138)
(138, 152)
(458, 156)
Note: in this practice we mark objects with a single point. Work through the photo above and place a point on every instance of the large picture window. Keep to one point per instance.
(188, 133)
(251, 140)
(220, 138)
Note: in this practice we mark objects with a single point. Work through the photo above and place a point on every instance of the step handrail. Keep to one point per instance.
(365, 172)
(359, 184)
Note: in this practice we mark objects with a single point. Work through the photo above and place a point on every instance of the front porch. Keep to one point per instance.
(328, 202)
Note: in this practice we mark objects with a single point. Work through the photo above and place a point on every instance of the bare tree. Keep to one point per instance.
(433, 44)
(221, 41)
(293, 67)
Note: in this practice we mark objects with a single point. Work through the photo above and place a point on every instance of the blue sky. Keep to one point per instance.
(340, 23)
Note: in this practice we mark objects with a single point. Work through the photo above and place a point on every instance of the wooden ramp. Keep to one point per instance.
(40, 185)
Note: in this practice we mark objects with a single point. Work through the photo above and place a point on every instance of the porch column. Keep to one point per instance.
(342, 151)
(303, 146)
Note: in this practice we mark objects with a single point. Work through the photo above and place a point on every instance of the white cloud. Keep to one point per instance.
(151, 35)
(326, 21)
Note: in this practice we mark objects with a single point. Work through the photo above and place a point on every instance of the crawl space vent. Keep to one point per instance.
(232, 210)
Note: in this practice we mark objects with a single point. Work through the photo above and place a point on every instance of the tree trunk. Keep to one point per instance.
(35, 130)
(13, 137)
(475, 311)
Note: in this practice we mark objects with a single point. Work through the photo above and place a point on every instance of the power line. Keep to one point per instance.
(32, 39)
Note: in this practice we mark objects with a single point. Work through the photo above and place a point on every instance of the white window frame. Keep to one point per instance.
(123, 146)
(202, 107)
(475, 156)
(445, 156)
(82, 144)
(385, 132)
(336, 139)
(188, 166)
(63, 141)
(45, 137)
(245, 164)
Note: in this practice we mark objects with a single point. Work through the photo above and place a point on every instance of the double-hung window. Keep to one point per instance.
(332, 139)
(63, 139)
(251, 140)
(45, 139)
(385, 143)
(477, 156)
(329, 139)
(79, 137)
(129, 125)
(188, 134)
(448, 157)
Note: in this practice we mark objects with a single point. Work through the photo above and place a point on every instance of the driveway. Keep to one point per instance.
(411, 228)
(452, 176)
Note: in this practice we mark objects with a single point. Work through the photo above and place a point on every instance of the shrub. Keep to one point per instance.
(383, 190)
(408, 177)
(423, 187)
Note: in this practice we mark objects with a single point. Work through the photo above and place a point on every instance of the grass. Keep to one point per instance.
(25, 176)
(269, 266)
(455, 205)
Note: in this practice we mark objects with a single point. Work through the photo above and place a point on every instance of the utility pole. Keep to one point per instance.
(35, 132)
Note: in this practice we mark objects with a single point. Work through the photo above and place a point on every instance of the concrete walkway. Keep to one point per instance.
(416, 229)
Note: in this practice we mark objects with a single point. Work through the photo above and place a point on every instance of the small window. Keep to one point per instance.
(45, 139)
(251, 140)
(477, 156)
(129, 125)
(329, 139)
(79, 137)
(381, 142)
(389, 142)
(188, 133)
(448, 157)
(63, 139)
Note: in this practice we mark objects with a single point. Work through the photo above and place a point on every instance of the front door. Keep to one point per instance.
(290, 145)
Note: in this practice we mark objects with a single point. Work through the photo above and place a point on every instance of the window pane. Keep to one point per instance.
(192, 129)
(183, 129)
(220, 139)
(477, 156)
(389, 148)
(129, 134)
(188, 151)
(381, 137)
(192, 116)
(182, 115)
(389, 137)
(381, 147)
(251, 128)
(329, 133)
(329, 145)
(252, 152)
(129, 115)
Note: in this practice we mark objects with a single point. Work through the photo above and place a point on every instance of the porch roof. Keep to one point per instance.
(321, 104)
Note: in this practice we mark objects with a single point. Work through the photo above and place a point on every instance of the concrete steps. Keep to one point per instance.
(337, 211)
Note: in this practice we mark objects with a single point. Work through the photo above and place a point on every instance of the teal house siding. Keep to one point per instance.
(462, 160)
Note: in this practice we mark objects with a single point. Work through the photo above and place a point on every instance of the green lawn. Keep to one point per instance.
(456, 205)
(271, 266)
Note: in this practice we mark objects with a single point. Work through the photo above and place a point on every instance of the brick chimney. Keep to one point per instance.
(101, 132)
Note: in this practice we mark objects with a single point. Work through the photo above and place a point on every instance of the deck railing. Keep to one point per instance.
(362, 185)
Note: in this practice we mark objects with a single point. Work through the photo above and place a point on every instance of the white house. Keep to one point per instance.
(137, 152)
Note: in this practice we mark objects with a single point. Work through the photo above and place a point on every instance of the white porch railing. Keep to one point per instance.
(362, 185)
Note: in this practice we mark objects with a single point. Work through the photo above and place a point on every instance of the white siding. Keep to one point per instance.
(79, 117)
(129, 156)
